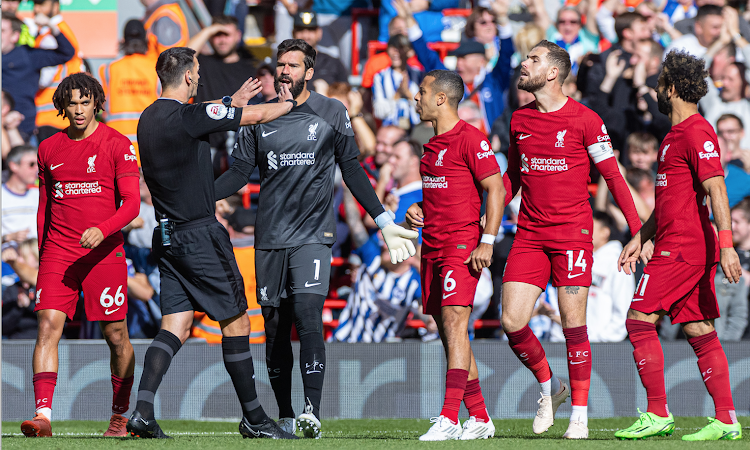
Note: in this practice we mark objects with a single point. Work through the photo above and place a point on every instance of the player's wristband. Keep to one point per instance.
(384, 219)
(725, 239)
(488, 239)
(293, 102)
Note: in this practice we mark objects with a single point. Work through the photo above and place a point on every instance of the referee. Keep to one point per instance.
(297, 155)
(197, 266)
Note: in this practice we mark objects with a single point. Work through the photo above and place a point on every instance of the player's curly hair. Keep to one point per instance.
(687, 74)
(89, 87)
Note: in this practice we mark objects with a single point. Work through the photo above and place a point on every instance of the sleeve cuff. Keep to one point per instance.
(504, 31)
(414, 33)
(56, 20)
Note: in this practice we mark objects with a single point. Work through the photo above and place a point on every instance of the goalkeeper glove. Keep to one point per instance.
(396, 238)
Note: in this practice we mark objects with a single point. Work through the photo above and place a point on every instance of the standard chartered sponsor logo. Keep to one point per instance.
(549, 164)
(79, 188)
(434, 182)
(661, 179)
(297, 159)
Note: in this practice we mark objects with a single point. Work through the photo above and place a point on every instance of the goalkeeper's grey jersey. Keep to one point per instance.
(296, 155)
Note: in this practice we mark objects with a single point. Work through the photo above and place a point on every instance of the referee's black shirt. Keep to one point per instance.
(176, 156)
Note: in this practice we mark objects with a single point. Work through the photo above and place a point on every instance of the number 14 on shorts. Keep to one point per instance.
(107, 300)
(579, 262)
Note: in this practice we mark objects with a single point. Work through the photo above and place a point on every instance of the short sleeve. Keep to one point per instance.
(246, 145)
(596, 139)
(479, 157)
(123, 154)
(204, 118)
(703, 156)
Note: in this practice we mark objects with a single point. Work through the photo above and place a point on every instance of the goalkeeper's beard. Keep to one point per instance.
(296, 87)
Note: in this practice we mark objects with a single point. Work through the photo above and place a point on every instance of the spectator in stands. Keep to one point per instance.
(642, 150)
(731, 131)
(140, 233)
(223, 72)
(165, 24)
(708, 26)
(405, 161)
(284, 12)
(48, 122)
(353, 102)
(483, 87)
(568, 31)
(687, 26)
(482, 26)
(11, 120)
(328, 69)
(469, 112)
(20, 199)
(736, 179)
(730, 99)
(22, 66)
(611, 290)
(19, 318)
(265, 73)
(386, 137)
(143, 312)
(680, 10)
(643, 181)
(130, 83)
(394, 88)
(381, 60)
(428, 14)
(741, 235)
(732, 300)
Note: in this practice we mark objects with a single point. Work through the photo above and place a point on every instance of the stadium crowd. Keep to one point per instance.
(617, 47)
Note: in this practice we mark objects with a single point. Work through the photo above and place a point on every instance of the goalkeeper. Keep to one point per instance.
(295, 228)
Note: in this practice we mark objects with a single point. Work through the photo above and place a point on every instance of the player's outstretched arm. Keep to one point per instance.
(131, 197)
(638, 247)
(255, 114)
(730, 262)
(620, 191)
(415, 216)
(481, 256)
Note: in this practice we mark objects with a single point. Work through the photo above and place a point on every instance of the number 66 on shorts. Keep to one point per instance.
(447, 282)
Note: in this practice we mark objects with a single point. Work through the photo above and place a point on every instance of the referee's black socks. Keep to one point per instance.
(239, 363)
(156, 363)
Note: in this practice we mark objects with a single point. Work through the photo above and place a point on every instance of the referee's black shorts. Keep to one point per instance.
(199, 272)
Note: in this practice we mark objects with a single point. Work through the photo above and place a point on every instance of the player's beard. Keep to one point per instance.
(296, 88)
(665, 107)
(532, 85)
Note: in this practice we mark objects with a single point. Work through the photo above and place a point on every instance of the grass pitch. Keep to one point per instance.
(363, 434)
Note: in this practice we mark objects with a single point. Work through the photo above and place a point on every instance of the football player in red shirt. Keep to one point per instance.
(84, 172)
(679, 279)
(458, 165)
(552, 141)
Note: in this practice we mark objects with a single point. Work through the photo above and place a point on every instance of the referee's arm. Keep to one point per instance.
(244, 163)
(255, 114)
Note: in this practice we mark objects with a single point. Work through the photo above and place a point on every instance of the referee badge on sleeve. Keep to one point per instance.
(216, 111)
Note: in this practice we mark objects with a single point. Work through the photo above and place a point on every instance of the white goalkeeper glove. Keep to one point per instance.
(396, 238)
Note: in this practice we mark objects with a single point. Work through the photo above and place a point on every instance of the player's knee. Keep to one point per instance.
(48, 330)
(116, 336)
(509, 323)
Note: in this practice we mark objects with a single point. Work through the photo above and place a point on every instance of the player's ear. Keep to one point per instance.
(553, 73)
(441, 98)
(309, 74)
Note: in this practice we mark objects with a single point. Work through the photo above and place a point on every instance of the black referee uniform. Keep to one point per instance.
(198, 270)
(295, 229)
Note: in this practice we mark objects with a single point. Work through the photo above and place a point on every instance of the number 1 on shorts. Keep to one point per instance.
(317, 268)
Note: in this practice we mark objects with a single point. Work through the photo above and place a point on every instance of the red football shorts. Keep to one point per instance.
(686, 292)
(447, 282)
(568, 263)
(104, 286)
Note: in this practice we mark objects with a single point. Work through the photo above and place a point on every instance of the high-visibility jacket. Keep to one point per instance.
(168, 11)
(46, 114)
(210, 330)
(131, 85)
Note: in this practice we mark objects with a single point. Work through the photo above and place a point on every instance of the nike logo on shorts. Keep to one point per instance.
(578, 362)
(637, 299)
(55, 166)
(573, 276)
(448, 295)
(264, 134)
(108, 312)
(307, 284)
(522, 137)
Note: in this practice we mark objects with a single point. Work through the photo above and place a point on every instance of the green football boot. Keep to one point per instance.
(716, 430)
(648, 425)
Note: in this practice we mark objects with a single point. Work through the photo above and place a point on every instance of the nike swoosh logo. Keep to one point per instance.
(313, 371)
(108, 312)
(448, 295)
(55, 167)
(273, 378)
(573, 276)
(307, 284)
(255, 433)
(636, 300)
(577, 362)
(264, 134)
(706, 379)
(522, 137)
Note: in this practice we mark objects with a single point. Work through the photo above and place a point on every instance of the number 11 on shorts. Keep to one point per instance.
(580, 262)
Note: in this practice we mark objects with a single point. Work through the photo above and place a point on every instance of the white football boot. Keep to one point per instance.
(442, 430)
(545, 415)
(577, 430)
(473, 429)
(288, 424)
(308, 424)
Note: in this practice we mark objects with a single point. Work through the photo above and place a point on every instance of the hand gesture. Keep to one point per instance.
(41, 20)
(403, 9)
(355, 103)
(614, 65)
(284, 93)
(18, 236)
(500, 9)
(639, 73)
(136, 223)
(91, 238)
(403, 88)
(248, 90)
(629, 255)
(222, 28)
(13, 119)
(480, 258)
(415, 217)
(731, 20)
(730, 264)
(10, 255)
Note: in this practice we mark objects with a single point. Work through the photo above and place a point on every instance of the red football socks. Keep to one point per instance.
(714, 368)
(44, 389)
(455, 385)
(121, 394)
(579, 363)
(649, 359)
(474, 401)
(528, 349)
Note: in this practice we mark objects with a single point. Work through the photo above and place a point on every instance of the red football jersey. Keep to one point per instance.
(689, 155)
(549, 158)
(452, 166)
(80, 181)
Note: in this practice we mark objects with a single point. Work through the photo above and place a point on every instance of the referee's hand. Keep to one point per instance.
(247, 91)
(91, 238)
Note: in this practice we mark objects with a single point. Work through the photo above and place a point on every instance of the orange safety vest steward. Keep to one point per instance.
(169, 11)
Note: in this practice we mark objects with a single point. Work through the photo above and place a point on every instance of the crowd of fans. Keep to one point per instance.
(616, 47)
